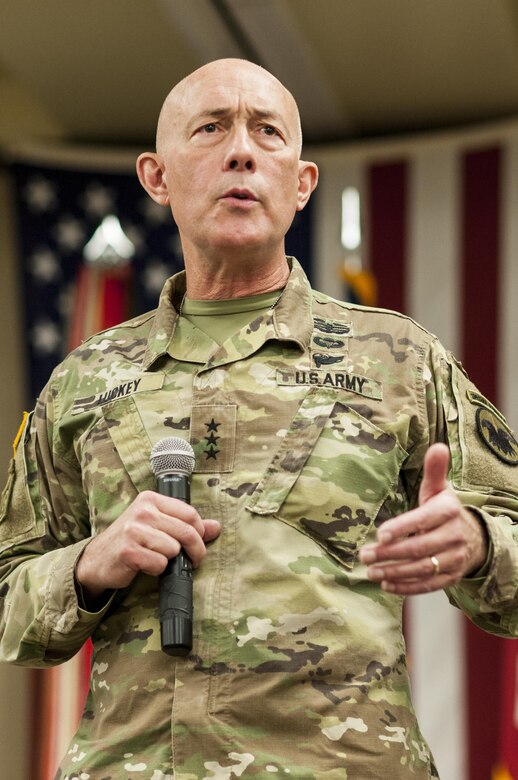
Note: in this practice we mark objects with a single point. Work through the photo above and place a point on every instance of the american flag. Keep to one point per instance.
(440, 219)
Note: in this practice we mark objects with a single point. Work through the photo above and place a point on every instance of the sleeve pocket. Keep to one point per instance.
(484, 449)
(17, 515)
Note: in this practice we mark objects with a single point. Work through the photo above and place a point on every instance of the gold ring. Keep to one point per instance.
(436, 565)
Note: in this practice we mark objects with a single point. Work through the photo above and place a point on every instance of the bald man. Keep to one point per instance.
(343, 461)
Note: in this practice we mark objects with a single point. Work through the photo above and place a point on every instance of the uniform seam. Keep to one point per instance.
(420, 391)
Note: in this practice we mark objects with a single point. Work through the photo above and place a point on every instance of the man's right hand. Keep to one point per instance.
(150, 532)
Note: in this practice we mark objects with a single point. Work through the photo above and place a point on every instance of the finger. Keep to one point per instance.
(212, 529)
(146, 560)
(416, 587)
(137, 537)
(435, 474)
(447, 562)
(174, 508)
(188, 538)
(418, 546)
(437, 511)
(149, 504)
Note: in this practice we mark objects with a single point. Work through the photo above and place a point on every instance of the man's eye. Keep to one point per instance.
(210, 128)
(269, 130)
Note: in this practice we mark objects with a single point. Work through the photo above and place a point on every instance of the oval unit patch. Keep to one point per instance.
(497, 436)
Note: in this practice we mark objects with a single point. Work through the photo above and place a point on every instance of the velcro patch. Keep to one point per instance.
(140, 384)
(343, 380)
(213, 437)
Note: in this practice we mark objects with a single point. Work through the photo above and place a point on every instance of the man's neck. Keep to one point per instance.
(219, 279)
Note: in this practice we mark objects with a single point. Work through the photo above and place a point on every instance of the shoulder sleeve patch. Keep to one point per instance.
(485, 450)
(497, 436)
(17, 515)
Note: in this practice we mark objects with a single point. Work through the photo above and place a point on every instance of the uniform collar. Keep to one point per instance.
(290, 320)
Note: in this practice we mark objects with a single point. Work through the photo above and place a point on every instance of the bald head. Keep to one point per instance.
(226, 73)
(228, 165)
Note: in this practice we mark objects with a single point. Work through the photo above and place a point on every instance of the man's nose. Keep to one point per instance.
(240, 155)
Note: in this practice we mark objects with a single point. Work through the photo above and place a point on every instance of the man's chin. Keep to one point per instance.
(241, 242)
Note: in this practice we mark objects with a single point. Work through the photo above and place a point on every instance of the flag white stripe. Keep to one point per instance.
(327, 250)
(436, 630)
(508, 364)
(433, 268)
(69, 704)
(436, 670)
(437, 640)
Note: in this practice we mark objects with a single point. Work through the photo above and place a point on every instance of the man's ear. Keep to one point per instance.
(151, 173)
(308, 179)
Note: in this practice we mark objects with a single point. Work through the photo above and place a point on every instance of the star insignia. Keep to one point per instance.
(212, 425)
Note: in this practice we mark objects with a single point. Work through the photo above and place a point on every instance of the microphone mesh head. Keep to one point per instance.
(172, 455)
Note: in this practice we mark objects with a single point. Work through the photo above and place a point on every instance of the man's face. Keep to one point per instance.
(229, 152)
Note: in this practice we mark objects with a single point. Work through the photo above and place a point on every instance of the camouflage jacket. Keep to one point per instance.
(309, 428)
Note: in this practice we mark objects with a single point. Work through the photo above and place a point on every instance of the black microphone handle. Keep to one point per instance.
(175, 594)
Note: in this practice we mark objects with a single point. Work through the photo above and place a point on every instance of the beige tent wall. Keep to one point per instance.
(15, 720)
(22, 116)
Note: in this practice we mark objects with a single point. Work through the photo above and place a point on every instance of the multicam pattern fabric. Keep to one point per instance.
(309, 428)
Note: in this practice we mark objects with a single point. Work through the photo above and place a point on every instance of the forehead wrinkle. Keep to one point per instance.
(179, 98)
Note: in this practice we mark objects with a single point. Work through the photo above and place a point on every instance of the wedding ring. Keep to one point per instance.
(436, 565)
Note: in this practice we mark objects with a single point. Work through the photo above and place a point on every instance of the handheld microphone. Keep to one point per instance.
(172, 461)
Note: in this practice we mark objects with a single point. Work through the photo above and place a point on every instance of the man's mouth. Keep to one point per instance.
(240, 195)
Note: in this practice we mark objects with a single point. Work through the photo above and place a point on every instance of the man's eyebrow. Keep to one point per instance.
(265, 114)
(216, 113)
(210, 112)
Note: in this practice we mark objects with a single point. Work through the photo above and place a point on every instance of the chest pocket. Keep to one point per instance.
(131, 441)
(331, 474)
(115, 457)
(18, 518)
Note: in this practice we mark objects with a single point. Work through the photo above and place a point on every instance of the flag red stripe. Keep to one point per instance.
(509, 738)
(480, 253)
(115, 297)
(480, 267)
(387, 208)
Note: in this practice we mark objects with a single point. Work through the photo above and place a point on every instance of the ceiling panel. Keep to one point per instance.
(403, 65)
(98, 71)
(102, 68)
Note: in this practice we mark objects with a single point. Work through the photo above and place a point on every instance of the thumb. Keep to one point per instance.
(435, 475)
(212, 530)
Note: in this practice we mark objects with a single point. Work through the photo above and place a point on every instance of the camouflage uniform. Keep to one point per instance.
(309, 427)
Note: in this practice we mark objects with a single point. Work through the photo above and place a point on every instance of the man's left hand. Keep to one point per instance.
(432, 546)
